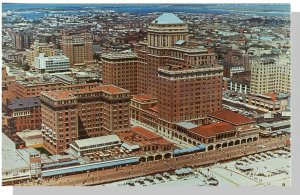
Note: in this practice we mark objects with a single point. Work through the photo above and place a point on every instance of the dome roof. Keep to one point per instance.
(167, 18)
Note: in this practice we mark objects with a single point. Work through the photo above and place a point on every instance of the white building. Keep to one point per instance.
(90, 145)
(52, 64)
(271, 74)
(18, 164)
(236, 69)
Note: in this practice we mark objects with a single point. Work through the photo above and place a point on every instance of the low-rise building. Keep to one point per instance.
(144, 109)
(18, 164)
(32, 138)
(146, 140)
(95, 144)
(212, 133)
(33, 88)
(36, 48)
(270, 102)
(52, 64)
(230, 69)
(25, 113)
(245, 126)
(275, 128)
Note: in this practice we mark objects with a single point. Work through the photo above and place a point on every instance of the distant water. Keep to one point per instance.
(36, 11)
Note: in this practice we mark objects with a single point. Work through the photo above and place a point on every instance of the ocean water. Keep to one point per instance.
(36, 11)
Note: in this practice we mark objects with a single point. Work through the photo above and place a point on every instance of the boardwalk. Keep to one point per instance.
(147, 168)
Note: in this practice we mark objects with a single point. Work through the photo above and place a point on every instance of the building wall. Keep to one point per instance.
(266, 105)
(236, 86)
(237, 57)
(271, 76)
(78, 46)
(21, 40)
(29, 118)
(90, 113)
(26, 90)
(140, 111)
(59, 127)
(189, 97)
(52, 64)
(121, 72)
(36, 49)
(8, 87)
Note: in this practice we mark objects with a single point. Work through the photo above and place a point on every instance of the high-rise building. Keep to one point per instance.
(8, 87)
(82, 111)
(237, 57)
(120, 69)
(22, 40)
(52, 64)
(167, 44)
(163, 34)
(78, 47)
(189, 93)
(184, 77)
(36, 48)
(270, 74)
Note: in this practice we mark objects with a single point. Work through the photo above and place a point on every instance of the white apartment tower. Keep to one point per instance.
(271, 74)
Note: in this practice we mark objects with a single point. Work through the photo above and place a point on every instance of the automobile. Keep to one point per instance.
(239, 163)
(262, 146)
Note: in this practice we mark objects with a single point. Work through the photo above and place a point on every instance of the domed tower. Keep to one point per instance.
(166, 30)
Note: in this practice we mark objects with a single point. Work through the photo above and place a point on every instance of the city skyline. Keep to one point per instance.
(147, 97)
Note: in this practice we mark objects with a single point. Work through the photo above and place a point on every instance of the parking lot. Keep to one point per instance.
(270, 168)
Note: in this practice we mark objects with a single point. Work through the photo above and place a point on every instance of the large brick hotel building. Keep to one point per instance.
(171, 78)
(184, 77)
(82, 111)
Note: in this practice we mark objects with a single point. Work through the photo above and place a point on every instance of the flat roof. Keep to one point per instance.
(80, 85)
(97, 140)
(60, 94)
(276, 124)
(130, 147)
(119, 55)
(86, 167)
(24, 103)
(187, 124)
(167, 18)
(265, 125)
(112, 89)
(231, 117)
(11, 158)
(142, 97)
(144, 132)
(68, 93)
(180, 42)
(65, 77)
(31, 150)
(154, 108)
